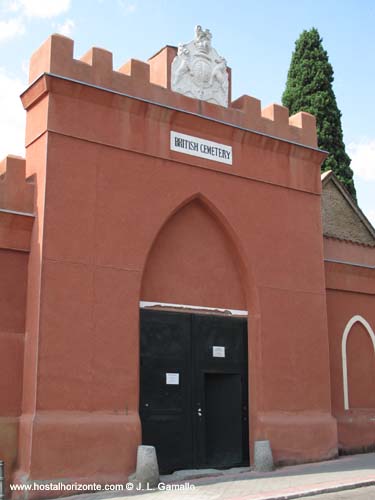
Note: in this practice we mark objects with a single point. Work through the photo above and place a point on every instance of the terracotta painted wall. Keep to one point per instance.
(121, 218)
(348, 251)
(13, 272)
(351, 293)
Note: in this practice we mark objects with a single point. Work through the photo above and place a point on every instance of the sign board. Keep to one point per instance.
(218, 351)
(202, 148)
(172, 378)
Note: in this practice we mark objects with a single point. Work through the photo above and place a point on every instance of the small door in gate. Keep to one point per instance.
(220, 390)
(193, 400)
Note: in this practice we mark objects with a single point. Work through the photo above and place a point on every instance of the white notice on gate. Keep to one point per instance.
(172, 378)
(218, 351)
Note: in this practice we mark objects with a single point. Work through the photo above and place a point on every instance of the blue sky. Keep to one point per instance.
(256, 37)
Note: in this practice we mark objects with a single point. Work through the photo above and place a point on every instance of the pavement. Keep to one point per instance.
(285, 483)
(358, 494)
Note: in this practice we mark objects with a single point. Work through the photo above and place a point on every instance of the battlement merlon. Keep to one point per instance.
(152, 80)
(16, 192)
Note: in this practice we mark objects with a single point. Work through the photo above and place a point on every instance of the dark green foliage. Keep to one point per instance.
(309, 88)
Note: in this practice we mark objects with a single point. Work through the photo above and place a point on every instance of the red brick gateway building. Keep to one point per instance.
(175, 272)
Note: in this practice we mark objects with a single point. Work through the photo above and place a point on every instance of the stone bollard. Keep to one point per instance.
(147, 472)
(263, 460)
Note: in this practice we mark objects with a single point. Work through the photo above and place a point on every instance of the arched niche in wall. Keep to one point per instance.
(194, 261)
(358, 364)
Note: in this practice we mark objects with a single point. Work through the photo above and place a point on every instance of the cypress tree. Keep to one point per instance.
(309, 88)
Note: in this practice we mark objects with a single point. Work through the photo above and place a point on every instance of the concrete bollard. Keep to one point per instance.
(263, 460)
(147, 472)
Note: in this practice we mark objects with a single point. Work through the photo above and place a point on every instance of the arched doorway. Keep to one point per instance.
(194, 373)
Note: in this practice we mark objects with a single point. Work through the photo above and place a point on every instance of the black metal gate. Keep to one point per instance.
(193, 399)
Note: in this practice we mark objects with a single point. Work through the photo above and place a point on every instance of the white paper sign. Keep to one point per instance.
(202, 148)
(218, 351)
(172, 378)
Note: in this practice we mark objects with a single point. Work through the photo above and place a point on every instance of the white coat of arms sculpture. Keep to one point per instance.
(198, 71)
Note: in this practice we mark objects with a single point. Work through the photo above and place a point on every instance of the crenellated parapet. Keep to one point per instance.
(152, 80)
(16, 192)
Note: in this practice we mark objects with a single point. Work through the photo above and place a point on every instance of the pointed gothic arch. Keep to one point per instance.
(348, 327)
(233, 241)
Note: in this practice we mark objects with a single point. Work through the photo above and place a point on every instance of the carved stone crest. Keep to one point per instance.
(198, 71)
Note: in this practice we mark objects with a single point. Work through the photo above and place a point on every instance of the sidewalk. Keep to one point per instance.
(285, 483)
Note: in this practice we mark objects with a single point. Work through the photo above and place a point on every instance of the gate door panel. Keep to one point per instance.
(220, 391)
(165, 399)
(193, 399)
